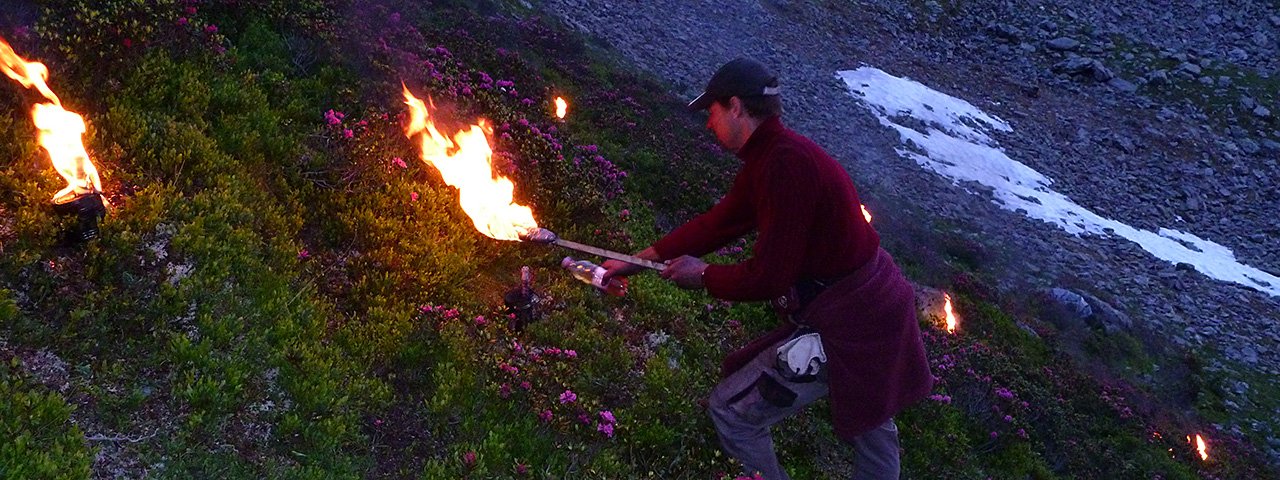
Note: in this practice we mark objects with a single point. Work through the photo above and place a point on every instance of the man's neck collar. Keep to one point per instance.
(759, 129)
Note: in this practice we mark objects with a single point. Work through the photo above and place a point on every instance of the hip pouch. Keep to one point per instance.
(800, 358)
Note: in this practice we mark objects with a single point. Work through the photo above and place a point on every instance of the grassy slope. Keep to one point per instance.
(272, 296)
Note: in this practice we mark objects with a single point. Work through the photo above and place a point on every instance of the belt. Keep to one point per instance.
(807, 289)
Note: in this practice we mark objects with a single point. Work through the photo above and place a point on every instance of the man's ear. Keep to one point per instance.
(735, 106)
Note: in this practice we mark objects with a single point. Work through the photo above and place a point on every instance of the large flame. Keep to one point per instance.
(60, 130)
(1201, 446)
(561, 107)
(466, 162)
(951, 316)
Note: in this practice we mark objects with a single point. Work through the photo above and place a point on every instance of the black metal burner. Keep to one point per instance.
(88, 209)
(522, 302)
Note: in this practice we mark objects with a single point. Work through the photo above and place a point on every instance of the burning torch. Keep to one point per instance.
(465, 162)
(60, 136)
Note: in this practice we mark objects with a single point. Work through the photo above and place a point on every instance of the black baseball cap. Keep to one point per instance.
(742, 77)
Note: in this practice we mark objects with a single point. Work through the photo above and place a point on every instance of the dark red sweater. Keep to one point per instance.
(804, 206)
(807, 212)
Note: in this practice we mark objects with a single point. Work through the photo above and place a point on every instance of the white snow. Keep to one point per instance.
(955, 144)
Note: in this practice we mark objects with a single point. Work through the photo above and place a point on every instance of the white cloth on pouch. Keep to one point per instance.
(803, 355)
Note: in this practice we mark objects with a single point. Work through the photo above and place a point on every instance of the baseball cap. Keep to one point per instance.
(742, 77)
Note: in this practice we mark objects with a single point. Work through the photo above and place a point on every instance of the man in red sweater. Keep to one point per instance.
(819, 261)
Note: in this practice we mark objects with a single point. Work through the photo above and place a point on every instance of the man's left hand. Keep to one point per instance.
(685, 272)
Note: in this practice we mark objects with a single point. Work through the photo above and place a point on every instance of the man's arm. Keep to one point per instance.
(788, 190)
(618, 268)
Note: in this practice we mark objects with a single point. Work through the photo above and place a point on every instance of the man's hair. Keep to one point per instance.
(758, 106)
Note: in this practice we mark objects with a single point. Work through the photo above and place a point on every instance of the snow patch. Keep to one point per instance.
(955, 144)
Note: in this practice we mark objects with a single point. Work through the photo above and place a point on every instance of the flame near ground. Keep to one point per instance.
(466, 163)
(61, 131)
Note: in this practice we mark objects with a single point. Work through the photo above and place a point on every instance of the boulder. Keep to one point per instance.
(1063, 44)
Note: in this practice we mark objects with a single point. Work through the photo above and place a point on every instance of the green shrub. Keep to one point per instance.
(40, 441)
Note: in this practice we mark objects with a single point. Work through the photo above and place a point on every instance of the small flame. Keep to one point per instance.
(951, 316)
(60, 130)
(866, 213)
(466, 162)
(1201, 446)
(561, 107)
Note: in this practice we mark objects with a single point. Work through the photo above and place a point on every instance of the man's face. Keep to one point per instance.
(722, 122)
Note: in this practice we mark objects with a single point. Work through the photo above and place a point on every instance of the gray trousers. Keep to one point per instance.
(746, 404)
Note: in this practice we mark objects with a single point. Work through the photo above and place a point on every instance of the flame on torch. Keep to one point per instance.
(561, 107)
(466, 162)
(60, 130)
(951, 316)
(1201, 446)
(866, 213)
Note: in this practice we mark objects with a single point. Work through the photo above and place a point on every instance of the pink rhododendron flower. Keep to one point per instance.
(399, 163)
(211, 29)
(413, 196)
(545, 415)
(568, 397)
(347, 133)
(333, 118)
(1003, 392)
(606, 429)
(469, 458)
(607, 416)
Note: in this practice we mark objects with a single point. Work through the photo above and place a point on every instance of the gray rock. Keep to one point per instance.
(1262, 112)
(1072, 303)
(1106, 316)
(1074, 65)
(1189, 68)
(1260, 39)
(1248, 146)
(1005, 31)
(1275, 20)
(1158, 77)
(1249, 355)
(1206, 81)
(1101, 73)
(1238, 55)
(1214, 19)
(1124, 143)
(1122, 85)
(1247, 102)
(1063, 44)
(1270, 145)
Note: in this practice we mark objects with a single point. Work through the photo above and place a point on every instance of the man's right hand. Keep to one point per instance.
(618, 268)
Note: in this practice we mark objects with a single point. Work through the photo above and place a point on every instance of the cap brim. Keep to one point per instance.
(701, 103)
